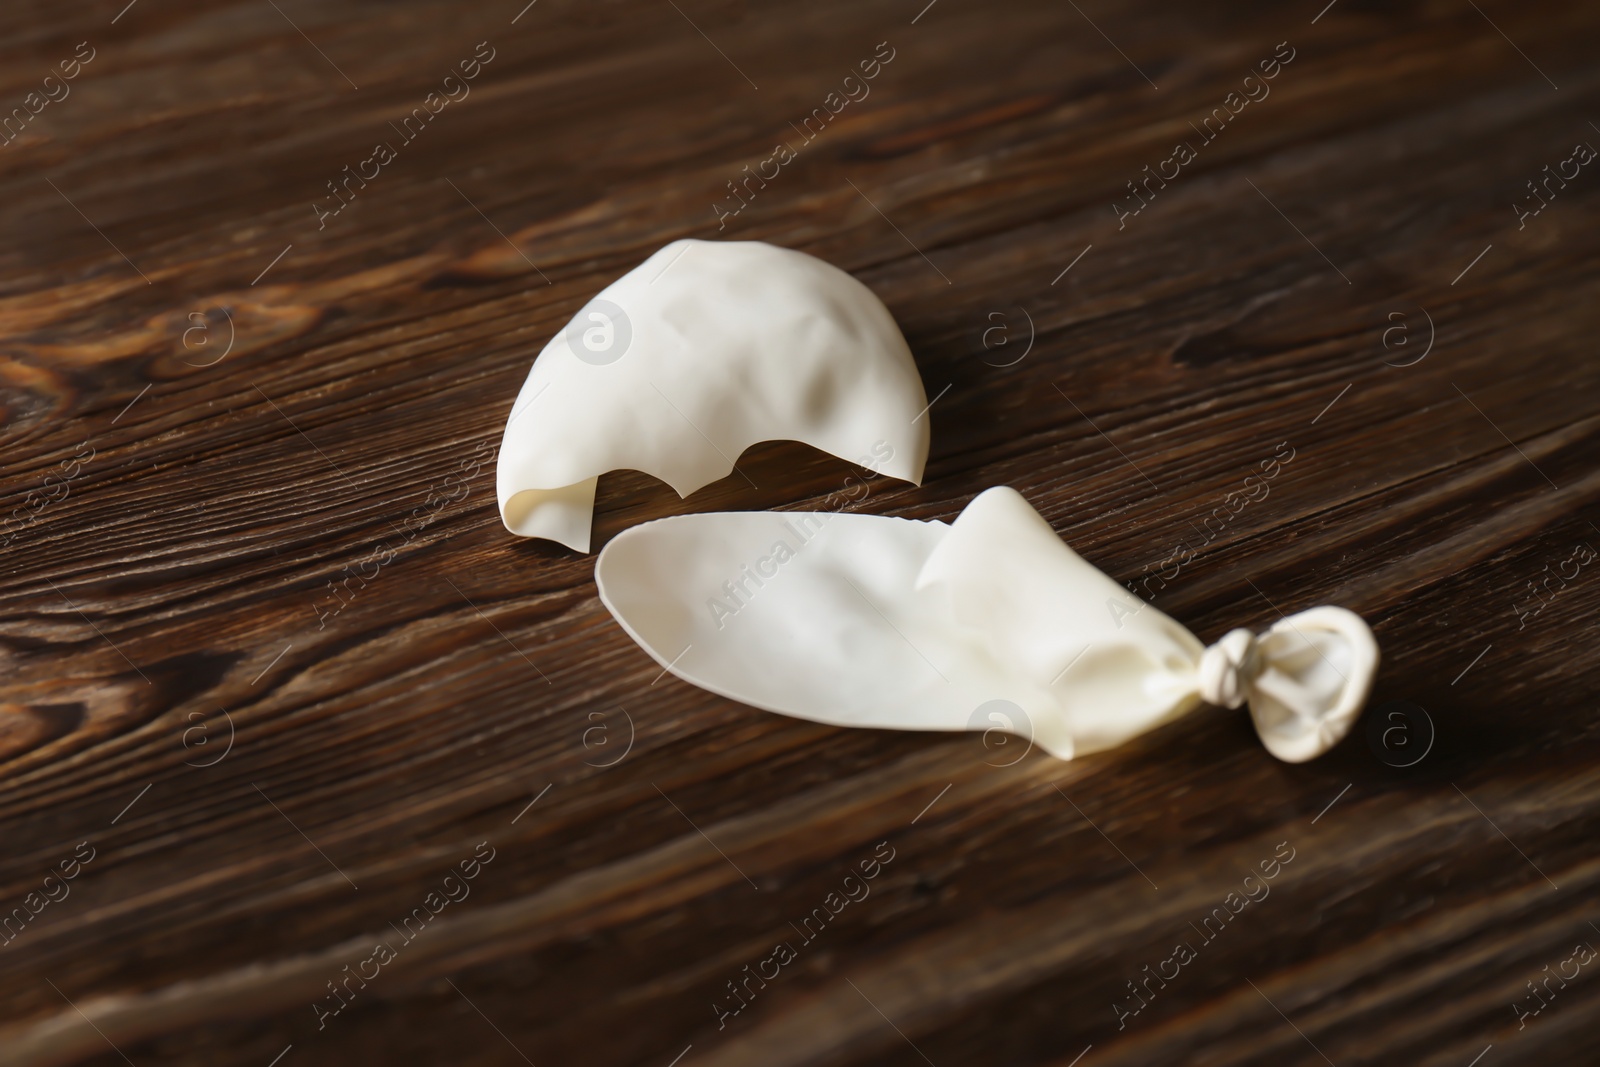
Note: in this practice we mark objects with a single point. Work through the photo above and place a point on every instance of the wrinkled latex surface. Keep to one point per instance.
(859, 620)
(703, 350)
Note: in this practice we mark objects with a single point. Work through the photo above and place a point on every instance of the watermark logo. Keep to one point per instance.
(1397, 335)
(1400, 733)
(598, 736)
(198, 736)
(600, 334)
(197, 336)
(997, 341)
(1007, 731)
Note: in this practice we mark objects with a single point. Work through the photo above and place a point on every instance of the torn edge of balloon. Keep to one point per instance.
(700, 352)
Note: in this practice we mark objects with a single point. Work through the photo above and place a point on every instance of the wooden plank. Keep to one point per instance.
(269, 789)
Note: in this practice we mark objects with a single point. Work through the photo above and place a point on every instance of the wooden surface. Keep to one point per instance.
(265, 798)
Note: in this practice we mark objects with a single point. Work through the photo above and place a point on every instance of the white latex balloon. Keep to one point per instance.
(859, 620)
(698, 353)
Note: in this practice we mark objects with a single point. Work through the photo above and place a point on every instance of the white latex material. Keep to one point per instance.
(859, 620)
(718, 346)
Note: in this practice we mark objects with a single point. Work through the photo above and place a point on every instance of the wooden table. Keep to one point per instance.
(237, 373)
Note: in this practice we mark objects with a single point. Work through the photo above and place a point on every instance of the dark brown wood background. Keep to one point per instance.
(265, 799)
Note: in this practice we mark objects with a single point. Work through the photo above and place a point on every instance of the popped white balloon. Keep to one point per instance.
(860, 620)
(698, 353)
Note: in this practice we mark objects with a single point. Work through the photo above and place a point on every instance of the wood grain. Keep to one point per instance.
(268, 789)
